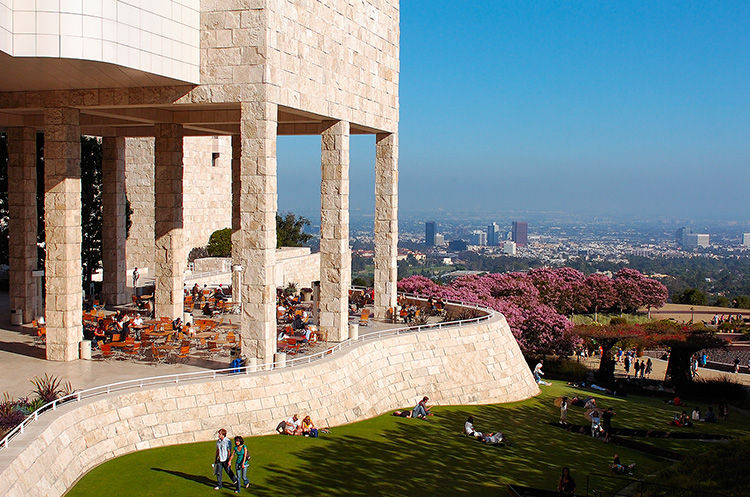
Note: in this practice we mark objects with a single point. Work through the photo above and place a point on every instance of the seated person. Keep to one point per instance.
(421, 410)
(137, 320)
(293, 426)
(710, 416)
(469, 429)
(617, 467)
(100, 332)
(590, 403)
(207, 310)
(696, 414)
(219, 293)
(177, 325)
(685, 419)
(306, 332)
(308, 427)
(402, 414)
(188, 330)
(596, 424)
(676, 420)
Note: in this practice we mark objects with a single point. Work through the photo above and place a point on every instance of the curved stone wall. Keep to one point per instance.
(480, 363)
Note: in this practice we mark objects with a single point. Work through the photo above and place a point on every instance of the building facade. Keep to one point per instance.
(145, 79)
(519, 232)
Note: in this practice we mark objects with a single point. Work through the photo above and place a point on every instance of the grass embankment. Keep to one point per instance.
(396, 456)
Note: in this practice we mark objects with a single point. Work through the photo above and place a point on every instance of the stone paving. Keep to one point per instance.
(22, 360)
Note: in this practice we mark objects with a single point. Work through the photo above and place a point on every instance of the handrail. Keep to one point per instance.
(212, 374)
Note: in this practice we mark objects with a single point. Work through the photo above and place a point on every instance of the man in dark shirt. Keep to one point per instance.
(607, 422)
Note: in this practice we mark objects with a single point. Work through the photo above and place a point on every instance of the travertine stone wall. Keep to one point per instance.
(139, 184)
(22, 222)
(113, 221)
(335, 257)
(208, 197)
(475, 364)
(254, 186)
(170, 253)
(386, 222)
(297, 265)
(207, 204)
(62, 225)
(335, 58)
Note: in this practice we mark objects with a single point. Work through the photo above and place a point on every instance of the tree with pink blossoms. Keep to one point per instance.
(654, 294)
(600, 292)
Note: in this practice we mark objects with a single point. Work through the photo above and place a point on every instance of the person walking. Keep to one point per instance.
(241, 463)
(649, 367)
(223, 459)
(564, 411)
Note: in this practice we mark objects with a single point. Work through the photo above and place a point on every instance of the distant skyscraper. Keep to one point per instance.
(509, 248)
(479, 238)
(429, 233)
(519, 230)
(693, 240)
(493, 234)
(681, 236)
(746, 239)
(439, 239)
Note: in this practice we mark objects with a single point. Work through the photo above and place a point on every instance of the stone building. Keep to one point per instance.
(145, 77)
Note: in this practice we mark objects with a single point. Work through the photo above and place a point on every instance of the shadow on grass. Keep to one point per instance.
(432, 457)
(203, 480)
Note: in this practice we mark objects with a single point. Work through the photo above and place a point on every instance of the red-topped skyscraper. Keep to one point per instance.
(519, 233)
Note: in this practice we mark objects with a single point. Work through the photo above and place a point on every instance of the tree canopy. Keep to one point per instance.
(290, 230)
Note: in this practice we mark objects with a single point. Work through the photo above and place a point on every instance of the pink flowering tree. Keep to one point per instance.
(654, 294)
(600, 292)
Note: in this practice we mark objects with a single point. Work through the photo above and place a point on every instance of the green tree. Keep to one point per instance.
(722, 301)
(690, 296)
(741, 302)
(91, 206)
(220, 243)
(290, 230)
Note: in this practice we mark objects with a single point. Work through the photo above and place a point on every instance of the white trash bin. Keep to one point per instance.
(16, 317)
(86, 349)
(279, 360)
(353, 331)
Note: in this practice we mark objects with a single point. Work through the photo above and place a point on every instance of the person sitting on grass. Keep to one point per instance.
(308, 428)
(619, 468)
(696, 415)
(567, 484)
(685, 419)
(596, 427)
(421, 410)
(710, 416)
(292, 426)
(469, 428)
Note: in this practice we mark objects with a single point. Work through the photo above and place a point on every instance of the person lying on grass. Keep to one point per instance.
(619, 468)
(402, 414)
(493, 438)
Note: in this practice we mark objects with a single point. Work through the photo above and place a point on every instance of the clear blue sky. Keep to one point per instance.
(628, 107)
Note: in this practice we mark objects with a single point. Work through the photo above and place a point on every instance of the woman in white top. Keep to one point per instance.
(469, 428)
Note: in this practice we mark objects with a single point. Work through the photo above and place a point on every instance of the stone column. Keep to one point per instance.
(62, 222)
(169, 257)
(22, 222)
(386, 222)
(254, 226)
(335, 259)
(113, 221)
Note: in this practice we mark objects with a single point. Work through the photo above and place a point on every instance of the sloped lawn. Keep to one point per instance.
(395, 456)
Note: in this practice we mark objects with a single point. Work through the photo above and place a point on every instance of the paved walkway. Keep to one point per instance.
(660, 370)
(21, 360)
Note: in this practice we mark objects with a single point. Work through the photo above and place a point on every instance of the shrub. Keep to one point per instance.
(11, 412)
(197, 253)
(50, 388)
(725, 388)
(220, 243)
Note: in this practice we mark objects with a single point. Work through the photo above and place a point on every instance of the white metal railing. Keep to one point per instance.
(256, 369)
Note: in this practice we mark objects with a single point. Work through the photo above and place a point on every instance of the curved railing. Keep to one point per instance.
(254, 369)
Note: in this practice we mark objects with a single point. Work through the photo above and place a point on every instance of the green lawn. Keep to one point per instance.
(396, 456)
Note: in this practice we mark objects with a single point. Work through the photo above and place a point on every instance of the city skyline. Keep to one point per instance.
(592, 108)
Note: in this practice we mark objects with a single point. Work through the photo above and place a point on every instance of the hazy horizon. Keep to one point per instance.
(595, 109)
